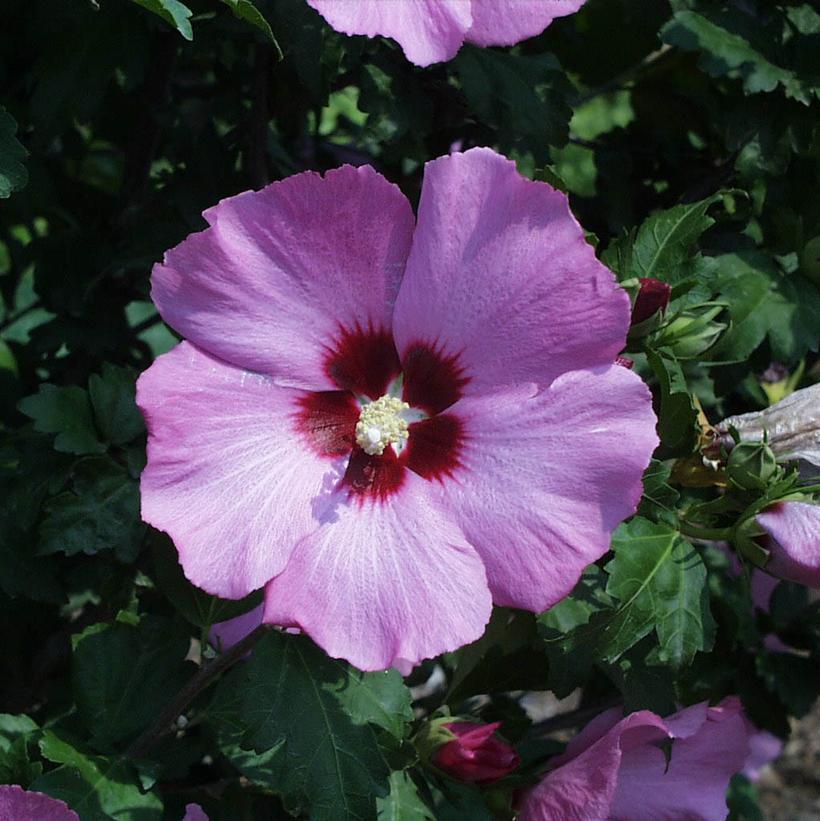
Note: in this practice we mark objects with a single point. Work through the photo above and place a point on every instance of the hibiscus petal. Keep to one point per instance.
(284, 275)
(230, 476)
(544, 478)
(429, 31)
(583, 788)
(379, 582)
(17, 804)
(795, 528)
(506, 22)
(501, 279)
(711, 745)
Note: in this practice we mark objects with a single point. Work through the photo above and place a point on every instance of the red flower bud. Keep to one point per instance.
(476, 754)
(653, 296)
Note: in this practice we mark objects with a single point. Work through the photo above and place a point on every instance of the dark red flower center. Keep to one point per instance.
(364, 363)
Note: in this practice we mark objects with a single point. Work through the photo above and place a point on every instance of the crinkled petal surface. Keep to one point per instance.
(429, 31)
(506, 22)
(501, 277)
(615, 771)
(711, 745)
(383, 581)
(795, 528)
(582, 789)
(17, 804)
(546, 477)
(229, 477)
(281, 272)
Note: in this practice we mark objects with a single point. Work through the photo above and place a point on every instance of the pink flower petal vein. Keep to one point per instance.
(392, 424)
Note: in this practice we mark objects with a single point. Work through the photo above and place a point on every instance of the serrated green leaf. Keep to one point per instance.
(245, 10)
(678, 415)
(665, 240)
(326, 720)
(96, 788)
(403, 802)
(113, 398)
(66, 412)
(100, 512)
(13, 174)
(173, 12)
(659, 497)
(737, 44)
(124, 674)
(659, 580)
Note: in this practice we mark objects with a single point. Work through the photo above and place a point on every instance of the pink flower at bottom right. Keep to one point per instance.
(616, 770)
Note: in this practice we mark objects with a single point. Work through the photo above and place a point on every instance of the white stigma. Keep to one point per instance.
(381, 424)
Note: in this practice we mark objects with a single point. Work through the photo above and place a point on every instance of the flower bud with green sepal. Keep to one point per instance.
(751, 465)
(693, 331)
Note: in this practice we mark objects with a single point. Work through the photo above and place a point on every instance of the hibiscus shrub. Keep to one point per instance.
(468, 469)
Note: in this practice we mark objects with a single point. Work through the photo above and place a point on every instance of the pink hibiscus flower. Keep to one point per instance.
(391, 425)
(17, 804)
(794, 541)
(614, 770)
(430, 31)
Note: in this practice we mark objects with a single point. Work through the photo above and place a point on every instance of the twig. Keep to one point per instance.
(626, 76)
(204, 678)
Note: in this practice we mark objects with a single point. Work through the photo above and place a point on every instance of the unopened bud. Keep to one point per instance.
(470, 751)
(694, 331)
(651, 301)
(751, 465)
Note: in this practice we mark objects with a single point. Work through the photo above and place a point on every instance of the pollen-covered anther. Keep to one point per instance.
(381, 424)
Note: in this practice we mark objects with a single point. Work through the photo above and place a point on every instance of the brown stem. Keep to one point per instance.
(204, 678)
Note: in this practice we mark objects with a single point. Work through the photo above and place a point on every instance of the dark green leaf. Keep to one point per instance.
(520, 96)
(245, 10)
(660, 581)
(97, 788)
(403, 803)
(665, 240)
(123, 675)
(678, 416)
(100, 512)
(13, 174)
(66, 412)
(173, 12)
(17, 734)
(328, 722)
(113, 397)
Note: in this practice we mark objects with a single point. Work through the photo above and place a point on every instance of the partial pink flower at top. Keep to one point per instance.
(431, 31)
(794, 541)
(391, 425)
(476, 753)
(17, 804)
(615, 770)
